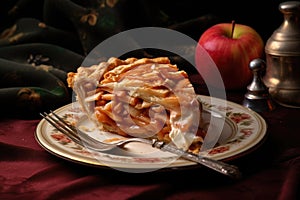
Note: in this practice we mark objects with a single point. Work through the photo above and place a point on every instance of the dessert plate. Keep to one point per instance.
(243, 130)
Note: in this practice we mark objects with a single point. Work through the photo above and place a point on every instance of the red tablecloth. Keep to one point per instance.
(272, 171)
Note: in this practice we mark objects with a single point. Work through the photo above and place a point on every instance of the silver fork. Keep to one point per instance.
(89, 142)
(84, 139)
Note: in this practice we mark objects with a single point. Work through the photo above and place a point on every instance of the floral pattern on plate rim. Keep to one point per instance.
(242, 119)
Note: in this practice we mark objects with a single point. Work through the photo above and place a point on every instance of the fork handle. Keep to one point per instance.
(219, 166)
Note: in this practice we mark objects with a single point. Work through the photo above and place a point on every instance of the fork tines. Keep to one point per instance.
(62, 126)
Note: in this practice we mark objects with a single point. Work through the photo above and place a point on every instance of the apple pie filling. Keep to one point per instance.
(149, 98)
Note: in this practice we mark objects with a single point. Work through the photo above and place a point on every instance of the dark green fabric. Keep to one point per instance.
(42, 40)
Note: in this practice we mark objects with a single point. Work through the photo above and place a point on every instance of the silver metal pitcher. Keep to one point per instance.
(282, 50)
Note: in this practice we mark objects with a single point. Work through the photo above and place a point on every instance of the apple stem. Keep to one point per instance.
(232, 28)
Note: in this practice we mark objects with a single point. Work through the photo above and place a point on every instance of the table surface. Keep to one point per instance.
(272, 171)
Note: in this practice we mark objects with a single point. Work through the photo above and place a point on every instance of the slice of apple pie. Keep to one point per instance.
(141, 98)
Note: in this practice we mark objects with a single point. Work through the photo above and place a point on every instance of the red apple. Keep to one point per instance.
(232, 47)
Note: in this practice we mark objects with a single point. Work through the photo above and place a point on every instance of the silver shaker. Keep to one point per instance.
(282, 50)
